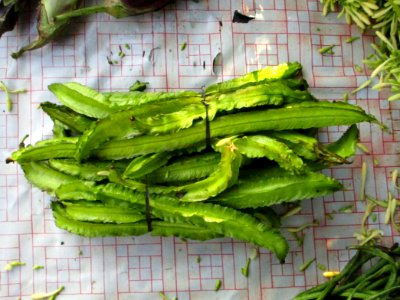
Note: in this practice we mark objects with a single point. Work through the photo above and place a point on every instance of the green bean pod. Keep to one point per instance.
(87, 211)
(282, 71)
(265, 188)
(186, 168)
(118, 125)
(67, 116)
(223, 220)
(295, 116)
(88, 170)
(44, 177)
(257, 146)
(145, 164)
(224, 176)
(46, 149)
(82, 99)
(159, 228)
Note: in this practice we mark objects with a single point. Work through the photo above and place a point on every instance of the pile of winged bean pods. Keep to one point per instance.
(187, 164)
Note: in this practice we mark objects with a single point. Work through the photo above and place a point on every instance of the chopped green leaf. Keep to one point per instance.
(302, 227)
(374, 217)
(346, 97)
(10, 266)
(50, 295)
(306, 265)
(327, 50)
(246, 268)
(329, 216)
(8, 92)
(348, 209)
(183, 46)
(218, 284)
(358, 68)
(395, 175)
(362, 86)
(299, 238)
(291, 212)
(364, 172)
(352, 39)
(363, 148)
(163, 296)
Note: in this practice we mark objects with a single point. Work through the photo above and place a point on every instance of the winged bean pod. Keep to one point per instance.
(138, 150)
(99, 213)
(282, 71)
(145, 164)
(160, 228)
(88, 170)
(264, 146)
(296, 116)
(118, 125)
(222, 220)
(44, 177)
(266, 188)
(67, 116)
(186, 168)
(225, 175)
(47, 149)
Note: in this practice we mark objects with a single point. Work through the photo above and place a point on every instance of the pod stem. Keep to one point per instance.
(85, 11)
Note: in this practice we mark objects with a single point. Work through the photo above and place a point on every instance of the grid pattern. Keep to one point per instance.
(150, 48)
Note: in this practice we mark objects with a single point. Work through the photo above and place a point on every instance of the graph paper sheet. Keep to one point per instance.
(141, 267)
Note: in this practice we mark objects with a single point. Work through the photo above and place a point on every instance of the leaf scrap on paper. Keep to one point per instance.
(217, 64)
